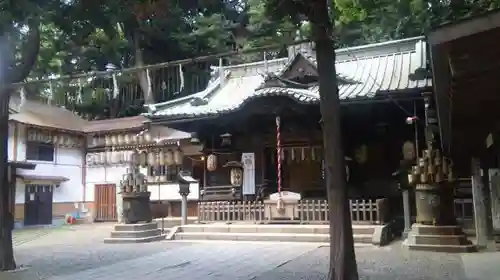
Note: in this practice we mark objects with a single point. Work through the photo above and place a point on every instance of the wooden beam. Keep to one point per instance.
(464, 28)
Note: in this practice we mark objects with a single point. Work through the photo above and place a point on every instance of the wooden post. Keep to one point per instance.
(479, 202)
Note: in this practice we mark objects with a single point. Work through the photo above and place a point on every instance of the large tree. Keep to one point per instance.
(317, 12)
(19, 46)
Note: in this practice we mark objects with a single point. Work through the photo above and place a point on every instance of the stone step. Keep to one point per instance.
(136, 227)
(444, 248)
(441, 239)
(273, 237)
(136, 234)
(436, 230)
(134, 240)
(251, 228)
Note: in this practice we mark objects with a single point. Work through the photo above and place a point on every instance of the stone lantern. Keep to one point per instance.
(184, 179)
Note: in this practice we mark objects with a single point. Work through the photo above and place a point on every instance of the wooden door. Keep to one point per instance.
(105, 202)
(38, 205)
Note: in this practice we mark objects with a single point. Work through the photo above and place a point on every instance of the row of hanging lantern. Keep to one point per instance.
(142, 158)
(290, 154)
(121, 139)
(108, 157)
(61, 140)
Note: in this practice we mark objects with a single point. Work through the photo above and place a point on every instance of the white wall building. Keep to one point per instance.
(67, 178)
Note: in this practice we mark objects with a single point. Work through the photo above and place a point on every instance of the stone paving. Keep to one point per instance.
(80, 254)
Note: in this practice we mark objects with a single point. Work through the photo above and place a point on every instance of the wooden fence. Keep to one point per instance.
(367, 211)
(464, 209)
(363, 211)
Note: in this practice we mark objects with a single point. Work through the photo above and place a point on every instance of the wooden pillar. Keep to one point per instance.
(479, 202)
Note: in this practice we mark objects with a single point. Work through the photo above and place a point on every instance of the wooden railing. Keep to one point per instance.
(464, 209)
(230, 211)
(364, 211)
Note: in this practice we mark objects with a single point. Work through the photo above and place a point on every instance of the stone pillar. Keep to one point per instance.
(406, 213)
(479, 201)
(119, 206)
(183, 210)
(494, 179)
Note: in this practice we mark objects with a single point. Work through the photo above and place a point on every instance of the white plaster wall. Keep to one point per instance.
(113, 174)
(68, 162)
(10, 143)
(97, 175)
(171, 192)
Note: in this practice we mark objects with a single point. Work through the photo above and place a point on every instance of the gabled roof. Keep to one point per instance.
(371, 70)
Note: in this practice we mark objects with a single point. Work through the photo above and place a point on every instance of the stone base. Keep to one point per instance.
(449, 239)
(362, 234)
(135, 233)
(496, 237)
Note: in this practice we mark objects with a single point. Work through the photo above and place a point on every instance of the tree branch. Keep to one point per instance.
(29, 54)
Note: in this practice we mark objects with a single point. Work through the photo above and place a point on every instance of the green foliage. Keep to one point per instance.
(80, 36)
(383, 20)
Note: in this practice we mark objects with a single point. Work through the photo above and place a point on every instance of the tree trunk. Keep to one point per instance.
(7, 261)
(342, 257)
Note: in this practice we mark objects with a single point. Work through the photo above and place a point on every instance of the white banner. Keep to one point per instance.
(248, 160)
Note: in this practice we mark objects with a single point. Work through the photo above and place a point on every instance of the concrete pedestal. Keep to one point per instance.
(135, 233)
(449, 239)
(434, 203)
(436, 228)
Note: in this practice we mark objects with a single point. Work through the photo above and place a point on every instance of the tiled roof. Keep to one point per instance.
(44, 115)
(374, 69)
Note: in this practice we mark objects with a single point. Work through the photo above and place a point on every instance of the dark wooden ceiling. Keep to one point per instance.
(474, 63)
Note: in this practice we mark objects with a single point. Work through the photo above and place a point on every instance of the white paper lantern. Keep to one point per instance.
(121, 156)
(161, 157)
(408, 150)
(62, 140)
(95, 141)
(55, 139)
(143, 159)
(139, 139)
(178, 157)
(109, 157)
(101, 158)
(151, 158)
(126, 139)
(119, 139)
(115, 157)
(70, 141)
(114, 140)
(38, 136)
(236, 176)
(169, 158)
(147, 137)
(88, 159)
(107, 140)
(93, 159)
(31, 135)
(212, 162)
(134, 157)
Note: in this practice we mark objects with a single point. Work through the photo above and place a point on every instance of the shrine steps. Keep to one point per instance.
(135, 233)
(363, 234)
